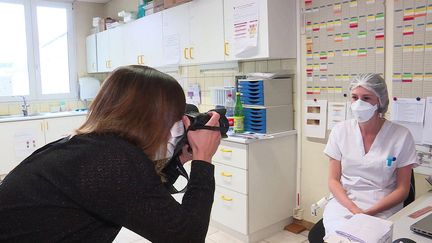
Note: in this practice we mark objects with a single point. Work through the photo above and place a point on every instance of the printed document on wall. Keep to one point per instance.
(315, 118)
(410, 113)
(427, 129)
(408, 110)
(336, 113)
(246, 22)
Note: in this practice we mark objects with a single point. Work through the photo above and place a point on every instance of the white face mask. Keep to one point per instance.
(363, 111)
(177, 131)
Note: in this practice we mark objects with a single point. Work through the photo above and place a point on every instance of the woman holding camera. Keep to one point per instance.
(110, 174)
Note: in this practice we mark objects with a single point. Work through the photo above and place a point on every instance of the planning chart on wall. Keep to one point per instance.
(346, 38)
(412, 74)
(412, 48)
(343, 39)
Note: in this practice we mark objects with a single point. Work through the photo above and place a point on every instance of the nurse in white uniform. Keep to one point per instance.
(370, 158)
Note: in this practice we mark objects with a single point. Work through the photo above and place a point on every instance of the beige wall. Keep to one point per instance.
(114, 6)
(83, 17)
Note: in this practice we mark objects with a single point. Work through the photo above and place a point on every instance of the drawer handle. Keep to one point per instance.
(228, 199)
(225, 174)
(226, 150)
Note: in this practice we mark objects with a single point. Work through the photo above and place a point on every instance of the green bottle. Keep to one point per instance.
(238, 115)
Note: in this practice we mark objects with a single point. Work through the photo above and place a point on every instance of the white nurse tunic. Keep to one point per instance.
(367, 178)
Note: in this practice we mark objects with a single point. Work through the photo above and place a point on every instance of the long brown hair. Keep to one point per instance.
(139, 104)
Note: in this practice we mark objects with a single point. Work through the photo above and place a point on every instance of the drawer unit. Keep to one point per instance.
(266, 92)
(229, 208)
(255, 186)
(232, 154)
(231, 178)
(272, 119)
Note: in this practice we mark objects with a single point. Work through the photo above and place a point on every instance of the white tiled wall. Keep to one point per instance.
(186, 75)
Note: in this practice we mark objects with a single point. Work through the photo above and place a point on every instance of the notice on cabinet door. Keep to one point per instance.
(172, 49)
(25, 143)
(245, 26)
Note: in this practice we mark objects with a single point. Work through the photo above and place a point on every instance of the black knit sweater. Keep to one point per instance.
(85, 189)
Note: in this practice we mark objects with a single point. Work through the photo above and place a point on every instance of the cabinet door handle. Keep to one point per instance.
(46, 126)
(190, 53)
(225, 198)
(142, 60)
(107, 63)
(226, 174)
(185, 53)
(42, 126)
(138, 59)
(226, 49)
(225, 150)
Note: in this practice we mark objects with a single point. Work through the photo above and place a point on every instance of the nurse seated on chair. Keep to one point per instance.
(371, 158)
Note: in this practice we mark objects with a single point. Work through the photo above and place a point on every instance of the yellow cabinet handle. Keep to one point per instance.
(142, 59)
(190, 53)
(185, 53)
(138, 59)
(225, 198)
(107, 64)
(226, 174)
(226, 49)
(225, 150)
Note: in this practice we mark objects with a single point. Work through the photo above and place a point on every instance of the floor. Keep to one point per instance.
(217, 236)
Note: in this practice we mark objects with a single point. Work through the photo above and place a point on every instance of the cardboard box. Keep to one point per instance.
(172, 3)
(158, 5)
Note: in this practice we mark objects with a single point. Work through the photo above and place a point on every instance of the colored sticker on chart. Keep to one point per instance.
(420, 12)
(408, 14)
(407, 78)
(397, 77)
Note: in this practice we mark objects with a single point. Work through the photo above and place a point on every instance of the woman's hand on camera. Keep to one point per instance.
(203, 142)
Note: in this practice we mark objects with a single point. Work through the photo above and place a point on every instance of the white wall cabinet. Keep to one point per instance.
(255, 186)
(142, 43)
(197, 32)
(276, 31)
(196, 36)
(91, 50)
(109, 45)
(21, 138)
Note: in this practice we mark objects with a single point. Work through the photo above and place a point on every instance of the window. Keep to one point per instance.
(36, 51)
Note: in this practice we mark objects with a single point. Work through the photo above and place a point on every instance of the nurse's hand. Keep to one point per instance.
(356, 210)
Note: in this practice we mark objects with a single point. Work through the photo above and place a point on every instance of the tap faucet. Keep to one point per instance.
(25, 106)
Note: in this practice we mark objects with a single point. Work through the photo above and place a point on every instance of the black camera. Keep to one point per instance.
(197, 121)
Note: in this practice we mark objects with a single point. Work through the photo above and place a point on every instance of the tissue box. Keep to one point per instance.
(365, 228)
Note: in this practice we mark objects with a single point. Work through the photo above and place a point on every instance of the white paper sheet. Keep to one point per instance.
(427, 129)
(172, 49)
(336, 113)
(315, 118)
(25, 143)
(246, 22)
(408, 110)
(194, 95)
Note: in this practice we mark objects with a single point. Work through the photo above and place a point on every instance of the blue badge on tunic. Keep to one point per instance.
(390, 160)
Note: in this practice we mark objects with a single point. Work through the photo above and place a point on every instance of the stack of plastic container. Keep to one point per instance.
(267, 100)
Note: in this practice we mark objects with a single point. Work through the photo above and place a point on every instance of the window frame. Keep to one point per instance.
(33, 57)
